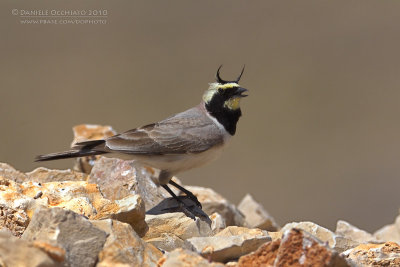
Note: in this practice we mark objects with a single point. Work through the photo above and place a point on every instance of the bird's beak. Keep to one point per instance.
(240, 91)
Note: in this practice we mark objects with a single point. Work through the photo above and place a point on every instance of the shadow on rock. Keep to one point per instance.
(169, 205)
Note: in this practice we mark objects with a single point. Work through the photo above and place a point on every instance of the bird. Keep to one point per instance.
(178, 143)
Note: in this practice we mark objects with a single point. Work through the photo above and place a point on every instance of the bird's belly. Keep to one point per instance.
(175, 163)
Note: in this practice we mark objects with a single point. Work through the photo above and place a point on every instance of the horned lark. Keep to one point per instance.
(181, 142)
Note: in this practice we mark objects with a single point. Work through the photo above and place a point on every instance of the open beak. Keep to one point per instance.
(241, 92)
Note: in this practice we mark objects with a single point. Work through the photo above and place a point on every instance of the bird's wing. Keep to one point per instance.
(188, 132)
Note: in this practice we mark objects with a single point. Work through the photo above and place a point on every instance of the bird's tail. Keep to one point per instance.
(82, 149)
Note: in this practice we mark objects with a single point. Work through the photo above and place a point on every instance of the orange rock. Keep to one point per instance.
(263, 256)
(296, 248)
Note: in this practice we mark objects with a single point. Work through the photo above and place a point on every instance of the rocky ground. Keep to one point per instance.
(110, 212)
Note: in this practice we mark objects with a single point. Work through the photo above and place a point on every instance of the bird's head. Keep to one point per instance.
(222, 101)
(225, 94)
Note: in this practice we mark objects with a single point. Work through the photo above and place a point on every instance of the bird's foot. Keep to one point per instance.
(189, 194)
(187, 210)
(194, 199)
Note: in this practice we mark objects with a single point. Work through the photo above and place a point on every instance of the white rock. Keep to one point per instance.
(320, 232)
(337, 242)
(217, 223)
(349, 231)
(256, 216)
(228, 244)
(389, 232)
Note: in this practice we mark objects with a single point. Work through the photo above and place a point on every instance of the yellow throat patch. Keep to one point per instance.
(232, 103)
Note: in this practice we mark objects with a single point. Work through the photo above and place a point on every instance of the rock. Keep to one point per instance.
(17, 252)
(387, 254)
(124, 246)
(40, 175)
(81, 241)
(10, 173)
(389, 232)
(229, 244)
(177, 224)
(342, 244)
(214, 202)
(119, 178)
(56, 253)
(166, 242)
(185, 258)
(131, 210)
(44, 175)
(78, 196)
(337, 242)
(217, 223)
(275, 235)
(318, 231)
(296, 248)
(256, 216)
(353, 233)
(14, 220)
(86, 132)
(265, 255)
(15, 199)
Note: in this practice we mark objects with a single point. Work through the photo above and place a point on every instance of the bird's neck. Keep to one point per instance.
(227, 117)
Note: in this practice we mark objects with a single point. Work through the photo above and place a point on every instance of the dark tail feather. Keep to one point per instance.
(83, 149)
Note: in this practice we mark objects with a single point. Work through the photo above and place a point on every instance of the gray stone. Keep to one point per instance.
(124, 246)
(81, 241)
(353, 233)
(228, 244)
(17, 252)
(389, 232)
(256, 216)
(342, 243)
(10, 173)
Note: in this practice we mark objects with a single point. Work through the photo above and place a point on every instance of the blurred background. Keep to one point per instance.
(319, 136)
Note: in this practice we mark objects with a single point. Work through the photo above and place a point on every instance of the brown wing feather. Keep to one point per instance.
(187, 132)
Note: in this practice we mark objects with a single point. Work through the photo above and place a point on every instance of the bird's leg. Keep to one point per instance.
(184, 208)
(187, 192)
